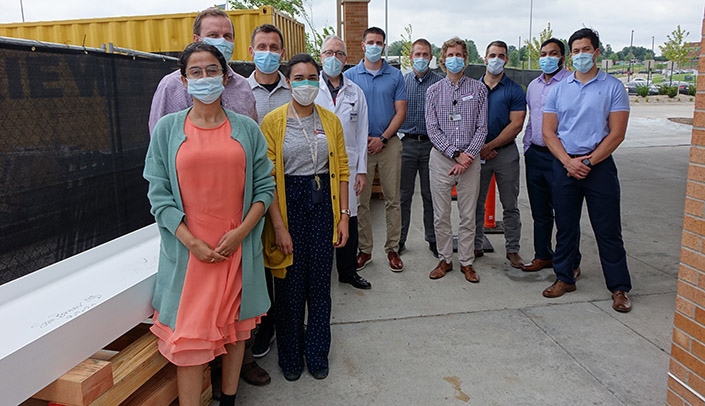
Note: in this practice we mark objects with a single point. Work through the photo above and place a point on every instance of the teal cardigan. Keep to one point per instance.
(168, 210)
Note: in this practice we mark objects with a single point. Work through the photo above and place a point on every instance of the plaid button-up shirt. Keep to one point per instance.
(456, 116)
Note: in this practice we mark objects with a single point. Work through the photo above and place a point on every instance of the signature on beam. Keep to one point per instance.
(76, 310)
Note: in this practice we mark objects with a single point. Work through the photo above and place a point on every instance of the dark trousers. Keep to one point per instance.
(346, 256)
(306, 286)
(601, 192)
(414, 158)
(539, 177)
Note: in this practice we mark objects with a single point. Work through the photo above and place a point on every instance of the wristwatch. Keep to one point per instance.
(346, 211)
(587, 163)
(456, 153)
(384, 140)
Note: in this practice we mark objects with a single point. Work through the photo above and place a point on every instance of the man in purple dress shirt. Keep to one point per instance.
(456, 122)
(214, 27)
(538, 158)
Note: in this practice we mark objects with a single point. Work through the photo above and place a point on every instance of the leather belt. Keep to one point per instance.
(540, 148)
(418, 137)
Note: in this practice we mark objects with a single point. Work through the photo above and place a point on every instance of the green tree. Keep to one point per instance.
(295, 8)
(406, 42)
(534, 46)
(473, 55)
(513, 56)
(675, 48)
(395, 48)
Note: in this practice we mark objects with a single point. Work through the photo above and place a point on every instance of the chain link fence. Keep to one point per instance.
(73, 136)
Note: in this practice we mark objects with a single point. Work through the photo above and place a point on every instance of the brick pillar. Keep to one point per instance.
(354, 24)
(686, 380)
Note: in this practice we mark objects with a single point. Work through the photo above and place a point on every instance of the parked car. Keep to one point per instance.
(632, 86)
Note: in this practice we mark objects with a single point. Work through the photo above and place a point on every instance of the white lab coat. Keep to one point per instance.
(350, 103)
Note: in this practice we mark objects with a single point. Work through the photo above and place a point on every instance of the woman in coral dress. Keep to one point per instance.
(210, 184)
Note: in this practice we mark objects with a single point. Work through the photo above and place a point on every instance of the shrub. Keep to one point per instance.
(642, 91)
(663, 90)
(672, 91)
(691, 90)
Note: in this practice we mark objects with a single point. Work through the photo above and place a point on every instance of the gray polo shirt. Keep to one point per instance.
(267, 101)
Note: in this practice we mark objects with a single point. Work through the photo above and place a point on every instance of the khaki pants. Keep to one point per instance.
(388, 162)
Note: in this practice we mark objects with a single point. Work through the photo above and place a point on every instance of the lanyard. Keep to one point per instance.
(313, 146)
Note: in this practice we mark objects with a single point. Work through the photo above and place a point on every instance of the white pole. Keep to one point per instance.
(22, 10)
(386, 28)
(531, 22)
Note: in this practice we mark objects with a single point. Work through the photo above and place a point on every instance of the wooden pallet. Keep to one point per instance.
(130, 371)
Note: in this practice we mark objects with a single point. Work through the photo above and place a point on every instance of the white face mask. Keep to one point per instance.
(304, 91)
(495, 66)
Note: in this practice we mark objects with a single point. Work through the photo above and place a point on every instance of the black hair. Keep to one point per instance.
(266, 28)
(588, 33)
(374, 30)
(561, 45)
(497, 43)
(297, 59)
(200, 47)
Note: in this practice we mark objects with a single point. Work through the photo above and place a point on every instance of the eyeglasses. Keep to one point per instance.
(338, 54)
(211, 71)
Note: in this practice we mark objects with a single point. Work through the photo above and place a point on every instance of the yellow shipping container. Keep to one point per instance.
(163, 33)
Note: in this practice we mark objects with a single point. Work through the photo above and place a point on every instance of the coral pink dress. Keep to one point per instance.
(211, 170)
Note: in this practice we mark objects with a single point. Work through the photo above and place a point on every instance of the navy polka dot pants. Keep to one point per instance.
(307, 282)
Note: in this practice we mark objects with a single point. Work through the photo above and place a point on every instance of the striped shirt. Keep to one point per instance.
(416, 88)
(456, 116)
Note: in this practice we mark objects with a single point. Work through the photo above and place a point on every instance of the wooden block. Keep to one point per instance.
(81, 385)
(132, 367)
(207, 394)
(160, 390)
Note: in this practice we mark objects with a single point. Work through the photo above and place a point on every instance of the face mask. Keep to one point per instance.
(332, 66)
(206, 90)
(373, 53)
(267, 62)
(495, 66)
(455, 64)
(224, 46)
(583, 62)
(304, 91)
(421, 64)
(548, 64)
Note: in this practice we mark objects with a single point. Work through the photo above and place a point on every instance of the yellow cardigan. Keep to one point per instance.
(274, 127)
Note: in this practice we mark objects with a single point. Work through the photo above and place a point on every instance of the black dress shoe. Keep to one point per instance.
(292, 375)
(357, 281)
(320, 374)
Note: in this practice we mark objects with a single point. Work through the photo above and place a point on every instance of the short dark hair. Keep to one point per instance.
(210, 12)
(497, 43)
(561, 45)
(424, 42)
(588, 33)
(266, 28)
(374, 30)
(200, 47)
(297, 59)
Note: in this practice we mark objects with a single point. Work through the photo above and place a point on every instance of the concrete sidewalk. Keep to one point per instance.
(414, 341)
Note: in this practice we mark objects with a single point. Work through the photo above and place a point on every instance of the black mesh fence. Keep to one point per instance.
(73, 136)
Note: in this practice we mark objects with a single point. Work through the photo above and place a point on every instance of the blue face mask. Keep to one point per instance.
(224, 46)
(583, 62)
(332, 66)
(206, 90)
(267, 62)
(495, 66)
(421, 64)
(455, 64)
(549, 64)
(373, 53)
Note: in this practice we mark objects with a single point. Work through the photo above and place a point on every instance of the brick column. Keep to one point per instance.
(354, 24)
(686, 380)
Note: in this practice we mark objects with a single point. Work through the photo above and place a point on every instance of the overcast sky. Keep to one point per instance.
(481, 21)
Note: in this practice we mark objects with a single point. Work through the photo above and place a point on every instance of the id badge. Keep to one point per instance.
(455, 117)
(317, 195)
(353, 116)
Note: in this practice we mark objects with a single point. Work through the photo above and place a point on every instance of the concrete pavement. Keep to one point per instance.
(414, 341)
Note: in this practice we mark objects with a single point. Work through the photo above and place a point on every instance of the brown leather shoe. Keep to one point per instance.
(470, 274)
(576, 273)
(537, 265)
(395, 262)
(363, 259)
(254, 374)
(621, 302)
(441, 269)
(558, 289)
(515, 260)
(479, 253)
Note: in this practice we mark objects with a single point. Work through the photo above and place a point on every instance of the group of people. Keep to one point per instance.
(257, 184)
